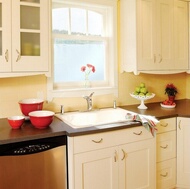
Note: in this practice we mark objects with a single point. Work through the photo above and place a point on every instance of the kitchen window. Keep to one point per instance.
(83, 32)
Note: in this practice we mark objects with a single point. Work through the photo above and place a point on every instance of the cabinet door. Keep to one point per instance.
(165, 35)
(146, 34)
(96, 169)
(137, 165)
(5, 36)
(181, 35)
(183, 152)
(30, 35)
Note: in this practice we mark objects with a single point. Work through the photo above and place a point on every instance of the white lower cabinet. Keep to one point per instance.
(166, 154)
(136, 164)
(183, 152)
(122, 159)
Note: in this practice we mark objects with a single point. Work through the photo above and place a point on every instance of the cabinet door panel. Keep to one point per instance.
(181, 35)
(96, 169)
(183, 155)
(30, 36)
(146, 34)
(165, 34)
(5, 36)
(137, 165)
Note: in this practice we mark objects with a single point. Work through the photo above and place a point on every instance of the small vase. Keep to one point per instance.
(171, 98)
(86, 82)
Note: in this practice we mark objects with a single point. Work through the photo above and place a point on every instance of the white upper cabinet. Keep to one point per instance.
(24, 34)
(154, 36)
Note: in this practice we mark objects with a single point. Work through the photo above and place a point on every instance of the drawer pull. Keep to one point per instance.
(115, 156)
(7, 55)
(137, 133)
(179, 125)
(164, 147)
(160, 58)
(124, 155)
(97, 141)
(18, 56)
(154, 58)
(163, 125)
(165, 175)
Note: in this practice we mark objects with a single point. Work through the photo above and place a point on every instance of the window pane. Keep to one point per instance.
(30, 17)
(60, 22)
(71, 55)
(95, 23)
(78, 21)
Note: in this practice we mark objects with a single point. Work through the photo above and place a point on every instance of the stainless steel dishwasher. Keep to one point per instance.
(39, 164)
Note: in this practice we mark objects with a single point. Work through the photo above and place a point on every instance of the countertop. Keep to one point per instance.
(59, 128)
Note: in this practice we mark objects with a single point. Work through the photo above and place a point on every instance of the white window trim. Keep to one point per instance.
(79, 92)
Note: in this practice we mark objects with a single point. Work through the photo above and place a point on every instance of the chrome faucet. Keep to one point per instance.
(89, 101)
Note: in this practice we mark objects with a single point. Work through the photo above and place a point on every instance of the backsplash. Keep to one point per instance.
(14, 89)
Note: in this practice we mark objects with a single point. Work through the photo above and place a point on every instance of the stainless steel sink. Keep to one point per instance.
(94, 118)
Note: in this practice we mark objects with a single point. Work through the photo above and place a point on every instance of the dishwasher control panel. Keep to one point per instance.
(32, 149)
(32, 146)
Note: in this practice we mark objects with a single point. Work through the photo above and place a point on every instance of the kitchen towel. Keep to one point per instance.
(149, 122)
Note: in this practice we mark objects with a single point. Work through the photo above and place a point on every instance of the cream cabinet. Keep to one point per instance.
(24, 34)
(166, 154)
(154, 36)
(112, 160)
(183, 152)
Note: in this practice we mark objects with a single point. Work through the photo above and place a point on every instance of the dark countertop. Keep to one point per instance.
(59, 128)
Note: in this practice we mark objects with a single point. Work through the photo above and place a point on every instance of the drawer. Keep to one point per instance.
(108, 139)
(166, 125)
(166, 146)
(166, 174)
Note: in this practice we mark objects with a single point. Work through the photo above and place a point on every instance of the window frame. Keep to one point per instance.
(112, 87)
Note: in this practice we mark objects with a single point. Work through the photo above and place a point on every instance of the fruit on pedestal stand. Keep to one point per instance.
(142, 91)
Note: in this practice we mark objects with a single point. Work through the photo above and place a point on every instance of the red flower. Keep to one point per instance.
(83, 68)
(170, 90)
(90, 68)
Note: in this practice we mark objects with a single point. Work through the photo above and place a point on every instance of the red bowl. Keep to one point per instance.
(16, 121)
(29, 105)
(41, 119)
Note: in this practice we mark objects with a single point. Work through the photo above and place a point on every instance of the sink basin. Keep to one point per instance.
(94, 118)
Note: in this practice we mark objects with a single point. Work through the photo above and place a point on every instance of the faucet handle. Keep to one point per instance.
(91, 94)
(62, 109)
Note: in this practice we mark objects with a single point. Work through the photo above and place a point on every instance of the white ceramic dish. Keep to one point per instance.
(142, 99)
(167, 106)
